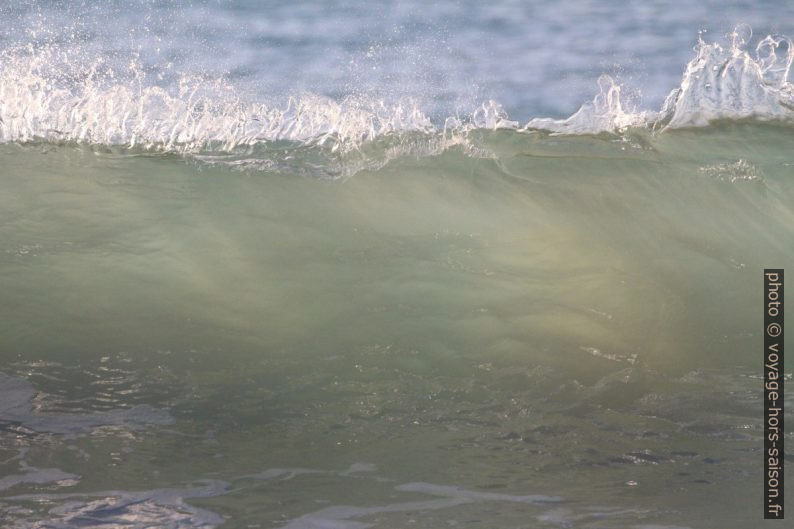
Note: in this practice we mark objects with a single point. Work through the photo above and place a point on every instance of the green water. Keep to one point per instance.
(577, 318)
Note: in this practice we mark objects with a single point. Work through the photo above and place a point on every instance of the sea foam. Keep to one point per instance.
(722, 82)
(51, 93)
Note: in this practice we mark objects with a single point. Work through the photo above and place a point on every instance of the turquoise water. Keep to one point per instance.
(233, 301)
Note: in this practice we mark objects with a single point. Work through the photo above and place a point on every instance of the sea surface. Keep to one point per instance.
(350, 265)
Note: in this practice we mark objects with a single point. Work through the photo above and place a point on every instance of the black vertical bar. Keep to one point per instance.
(773, 394)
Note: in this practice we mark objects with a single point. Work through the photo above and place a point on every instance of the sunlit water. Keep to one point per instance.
(364, 308)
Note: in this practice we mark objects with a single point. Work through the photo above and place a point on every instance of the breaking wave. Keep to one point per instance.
(49, 94)
(722, 82)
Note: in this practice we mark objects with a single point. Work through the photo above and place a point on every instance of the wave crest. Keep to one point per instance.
(93, 105)
(722, 82)
(728, 83)
(49, 93)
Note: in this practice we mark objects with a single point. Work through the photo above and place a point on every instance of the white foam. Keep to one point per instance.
(46, 95)
(54, 94)
(726, 82)
(720, 82)
(604, 114)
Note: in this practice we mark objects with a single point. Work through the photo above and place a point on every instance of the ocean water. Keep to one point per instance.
(334, 265)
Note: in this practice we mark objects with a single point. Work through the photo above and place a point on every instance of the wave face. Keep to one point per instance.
(475, 337)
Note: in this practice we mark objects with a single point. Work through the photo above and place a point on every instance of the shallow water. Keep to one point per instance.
(231, 303)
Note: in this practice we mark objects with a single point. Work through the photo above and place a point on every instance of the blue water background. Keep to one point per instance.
(537, 58)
